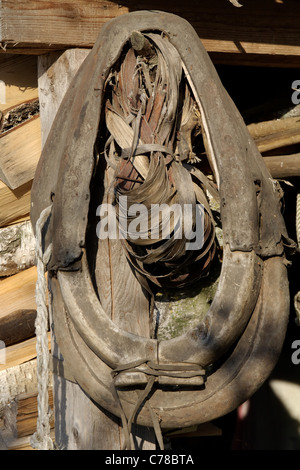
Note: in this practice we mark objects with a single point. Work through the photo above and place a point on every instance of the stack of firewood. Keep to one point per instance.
(274, 139)
(20, 147)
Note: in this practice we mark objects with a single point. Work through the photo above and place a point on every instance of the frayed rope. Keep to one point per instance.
(41, 439)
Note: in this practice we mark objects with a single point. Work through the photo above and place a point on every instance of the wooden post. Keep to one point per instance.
(79, 423)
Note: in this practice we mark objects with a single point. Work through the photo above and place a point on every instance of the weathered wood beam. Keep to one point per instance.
(258, 29)
(43, 24)
(27, 414)
(20, 353)
(20, 153)
(14, 204)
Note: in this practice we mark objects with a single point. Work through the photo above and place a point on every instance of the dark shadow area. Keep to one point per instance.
(268, 424)
(260, 93)
(264, 424)
(19, 70)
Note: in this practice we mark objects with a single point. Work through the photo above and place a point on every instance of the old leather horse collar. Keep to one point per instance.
(241, 335)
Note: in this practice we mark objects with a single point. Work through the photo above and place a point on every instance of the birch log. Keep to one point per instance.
(17, 248)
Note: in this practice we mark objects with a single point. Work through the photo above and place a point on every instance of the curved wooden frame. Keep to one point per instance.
(253, 289)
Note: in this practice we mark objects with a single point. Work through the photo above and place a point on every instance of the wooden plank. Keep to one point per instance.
(18, 80)
(268, 29)
(20, 153)
(33, 50)
(79, 423)
(27, 414)
(60, 23)
(17, 326)
(14, 204)
(18, 292)
(20, 353)
(276, 134)
(3, 446)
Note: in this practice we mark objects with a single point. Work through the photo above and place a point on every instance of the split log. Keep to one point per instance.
(17, 248)
(20, 153)
(18, 291)
(17, 326)
(18, 84)
(278, 140)
(18, 307)
(14, 204)
(283, 166)
(22, 443)
(274, 135)
(20, 353)
(27, 413)
(278, 133)
(266, 128)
